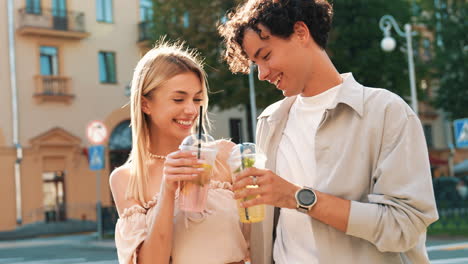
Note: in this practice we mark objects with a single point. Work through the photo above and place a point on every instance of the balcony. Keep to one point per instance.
(52, 23)
(53, 89)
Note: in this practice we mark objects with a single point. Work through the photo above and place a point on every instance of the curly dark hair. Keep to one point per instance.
(279, 16)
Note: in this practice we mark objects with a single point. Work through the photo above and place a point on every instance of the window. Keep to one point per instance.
(54, 196)
(427, 48)
(234, 129)
(107, 67)
(428, 133)
(59, 8)
(48, 60)
(120, 144)
(59, 13)
(33, 7)
(146, 10)
(186, 19)
(104, 11)
(121, 137)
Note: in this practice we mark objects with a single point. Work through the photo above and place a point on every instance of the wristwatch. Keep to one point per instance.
(305, 199)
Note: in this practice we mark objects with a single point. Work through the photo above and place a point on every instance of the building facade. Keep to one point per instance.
(443, 155)
(74, 62)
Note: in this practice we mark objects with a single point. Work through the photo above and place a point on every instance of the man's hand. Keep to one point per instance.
(272, 189)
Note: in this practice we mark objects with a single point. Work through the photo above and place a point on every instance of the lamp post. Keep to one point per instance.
(388, 44)
(253, 104)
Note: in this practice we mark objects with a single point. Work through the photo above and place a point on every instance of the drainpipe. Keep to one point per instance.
(14, 104)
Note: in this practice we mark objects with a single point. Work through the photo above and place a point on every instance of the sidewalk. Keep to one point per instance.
(37, 229)
(85, 240)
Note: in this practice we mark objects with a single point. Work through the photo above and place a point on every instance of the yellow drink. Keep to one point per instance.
(252, 214)
(244, 156)
(205, 176)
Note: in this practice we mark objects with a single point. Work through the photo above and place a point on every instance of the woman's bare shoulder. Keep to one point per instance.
(118, 182)
(120, 176)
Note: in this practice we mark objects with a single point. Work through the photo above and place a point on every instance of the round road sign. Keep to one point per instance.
(96, 132)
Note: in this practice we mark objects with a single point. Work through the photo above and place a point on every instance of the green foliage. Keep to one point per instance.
(196, 22)
(354, 44)
(448, 20)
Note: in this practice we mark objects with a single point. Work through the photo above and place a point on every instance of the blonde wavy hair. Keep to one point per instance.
(157, 66)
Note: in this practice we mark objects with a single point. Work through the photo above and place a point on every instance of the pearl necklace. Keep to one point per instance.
(154, 156)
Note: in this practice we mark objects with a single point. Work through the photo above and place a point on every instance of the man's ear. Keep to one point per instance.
(301, 31)
(145, 105)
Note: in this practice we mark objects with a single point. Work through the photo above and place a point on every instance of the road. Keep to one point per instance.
(448, 250)
(85, 248)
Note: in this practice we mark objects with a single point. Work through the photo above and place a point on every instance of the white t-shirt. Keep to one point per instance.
(296, 163)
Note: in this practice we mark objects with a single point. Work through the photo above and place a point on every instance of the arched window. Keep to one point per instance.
(120, 144)
(121, 137)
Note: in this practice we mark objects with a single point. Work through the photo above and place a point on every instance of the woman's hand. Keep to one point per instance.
(180, 166)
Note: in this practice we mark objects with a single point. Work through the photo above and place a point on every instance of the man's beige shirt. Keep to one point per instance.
(370, 149)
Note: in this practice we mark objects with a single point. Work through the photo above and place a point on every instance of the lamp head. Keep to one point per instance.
(388, 44)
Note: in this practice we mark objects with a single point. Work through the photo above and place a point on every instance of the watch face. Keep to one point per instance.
(306, 197)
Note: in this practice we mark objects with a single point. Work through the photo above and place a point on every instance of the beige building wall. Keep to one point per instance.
(220, 122)
(2, 138)
(7, 189)
(53, 133)
(5, 90)
(78, 60)
(439, 132)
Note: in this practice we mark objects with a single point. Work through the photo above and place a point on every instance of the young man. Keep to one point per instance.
(348, 165)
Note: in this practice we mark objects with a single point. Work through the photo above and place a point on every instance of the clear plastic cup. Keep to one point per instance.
(193, 194)
(244, 156)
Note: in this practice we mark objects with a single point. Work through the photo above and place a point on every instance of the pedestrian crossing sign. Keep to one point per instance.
(461, 132)
(96, 157)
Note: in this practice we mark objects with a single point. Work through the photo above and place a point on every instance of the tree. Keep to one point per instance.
(354, 44)
(447, 19)
(195, 22)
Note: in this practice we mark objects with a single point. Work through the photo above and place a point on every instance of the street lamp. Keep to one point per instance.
(388, 44)
(253, 104)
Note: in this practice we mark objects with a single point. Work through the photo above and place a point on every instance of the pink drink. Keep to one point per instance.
(193, 194)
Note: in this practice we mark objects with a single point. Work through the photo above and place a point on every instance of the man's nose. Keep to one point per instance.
(263, 72)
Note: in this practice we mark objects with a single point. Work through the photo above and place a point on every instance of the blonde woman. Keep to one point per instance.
(168, 87)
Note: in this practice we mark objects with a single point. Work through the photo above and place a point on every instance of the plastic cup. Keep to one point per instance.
(193, 193)
(238, 162)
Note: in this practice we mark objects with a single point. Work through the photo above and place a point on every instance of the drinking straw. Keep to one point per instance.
(239, 127)
(200, 121)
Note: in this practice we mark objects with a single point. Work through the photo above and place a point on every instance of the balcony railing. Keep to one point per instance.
(52, 23)
(53, 88)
